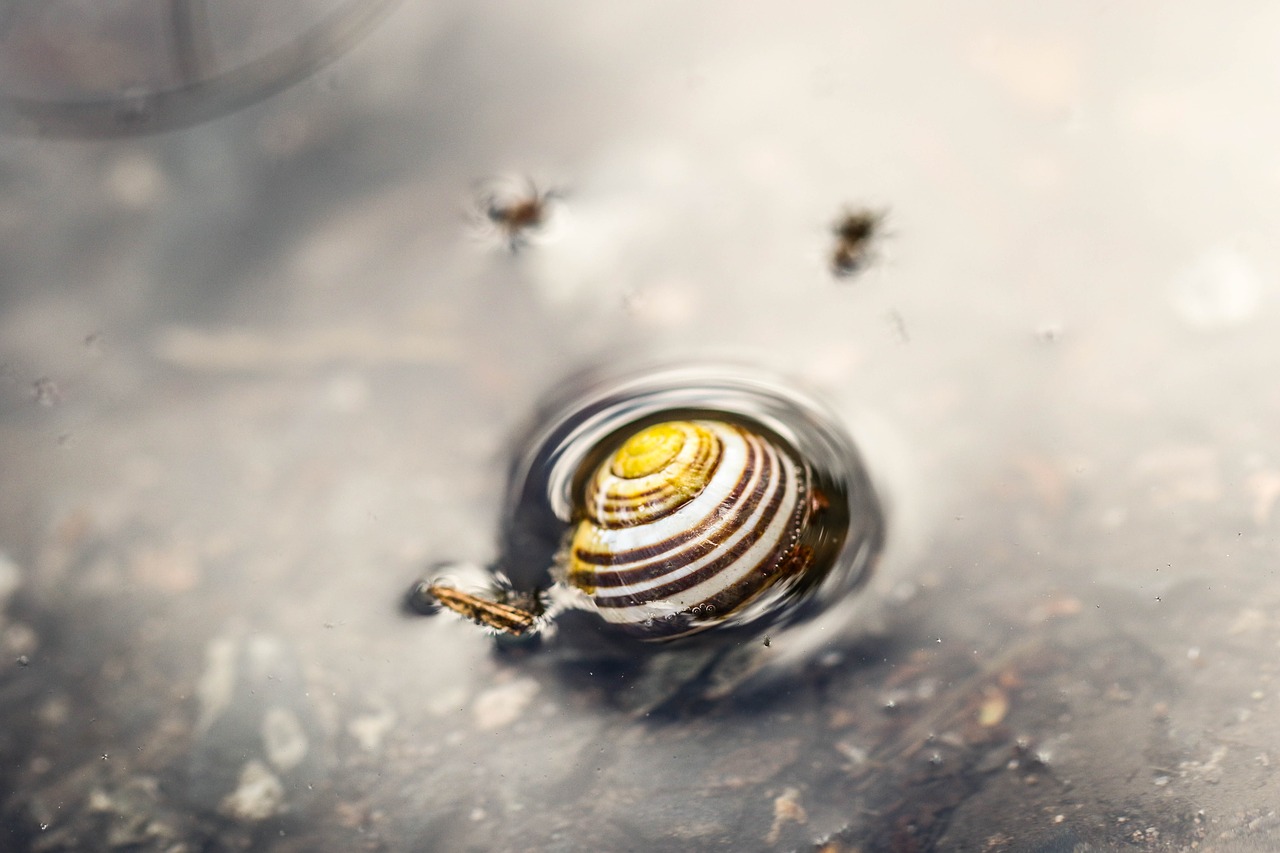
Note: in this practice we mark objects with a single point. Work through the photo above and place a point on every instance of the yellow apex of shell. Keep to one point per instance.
(648, 451)
(661, 467)
(654, 472)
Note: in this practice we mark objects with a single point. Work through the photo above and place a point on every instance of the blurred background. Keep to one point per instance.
(263, 356)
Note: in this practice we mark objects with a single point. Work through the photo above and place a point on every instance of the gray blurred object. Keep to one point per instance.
(83, 68)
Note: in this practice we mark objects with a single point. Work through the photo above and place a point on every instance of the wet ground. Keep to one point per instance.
(260, 373)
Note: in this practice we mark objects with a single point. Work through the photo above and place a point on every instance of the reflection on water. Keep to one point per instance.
(73, 68)
(256, 374)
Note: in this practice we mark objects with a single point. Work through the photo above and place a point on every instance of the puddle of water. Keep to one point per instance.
(258, 374)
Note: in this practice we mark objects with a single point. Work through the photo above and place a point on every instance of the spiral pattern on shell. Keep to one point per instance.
(688, 522)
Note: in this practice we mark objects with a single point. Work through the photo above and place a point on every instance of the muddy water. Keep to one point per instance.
(261, 372)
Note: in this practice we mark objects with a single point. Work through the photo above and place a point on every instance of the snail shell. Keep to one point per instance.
(667, 502)
(686, 523)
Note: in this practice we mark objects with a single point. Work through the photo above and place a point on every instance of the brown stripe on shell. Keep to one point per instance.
(794, 561)
(716, 566)
(656, 560)
(666, 591)
(699, 532)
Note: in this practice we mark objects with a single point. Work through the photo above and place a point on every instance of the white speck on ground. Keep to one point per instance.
(283, 738)
(501, 706)
(1220, 290)
(259, 795)
(369, 729)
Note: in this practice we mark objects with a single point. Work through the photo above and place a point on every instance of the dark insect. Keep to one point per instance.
(517, 213)
(855, 232)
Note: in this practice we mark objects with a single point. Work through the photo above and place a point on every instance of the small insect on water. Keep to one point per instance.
(856, 233)
(516, 211)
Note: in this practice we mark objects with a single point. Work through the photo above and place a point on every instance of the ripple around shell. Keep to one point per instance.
(588, 416)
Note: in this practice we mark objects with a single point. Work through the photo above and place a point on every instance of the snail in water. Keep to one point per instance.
(677, 503)
(515, 211)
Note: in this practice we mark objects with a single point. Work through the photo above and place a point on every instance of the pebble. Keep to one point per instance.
(501, 706)
(284, 740)
(369, 729)
(259, 795)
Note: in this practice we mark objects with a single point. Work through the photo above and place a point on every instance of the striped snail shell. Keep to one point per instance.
(688, 522)
(669, 502)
